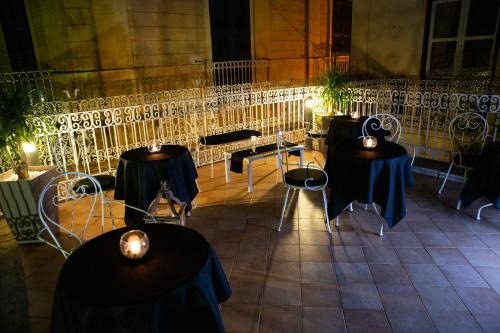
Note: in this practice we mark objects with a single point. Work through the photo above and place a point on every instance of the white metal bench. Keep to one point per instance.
(256, 157)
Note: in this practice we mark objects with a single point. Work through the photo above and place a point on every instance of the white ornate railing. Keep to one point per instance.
(38, 82)
(102, 135)
(425, 116)
(102, 129)
(237, 72)
(453, 86)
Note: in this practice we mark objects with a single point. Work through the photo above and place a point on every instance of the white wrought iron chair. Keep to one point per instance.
(467, 132)
(70, 153)
(308, 178)
(383, 122)
(63, 190)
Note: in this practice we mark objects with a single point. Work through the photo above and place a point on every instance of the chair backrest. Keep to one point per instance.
(468, 133)
(59, 196)
(381, 122)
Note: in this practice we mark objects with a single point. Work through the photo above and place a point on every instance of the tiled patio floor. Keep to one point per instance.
(438, 270)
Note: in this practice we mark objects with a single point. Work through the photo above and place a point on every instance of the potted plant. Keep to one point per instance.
(336, 94)
(21, 186)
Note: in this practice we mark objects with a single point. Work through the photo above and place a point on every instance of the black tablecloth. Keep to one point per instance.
(238, 156)
(139, 175)
(219, 139)
(484, 179)
(344, 128)
(175, 287)
(380, 175)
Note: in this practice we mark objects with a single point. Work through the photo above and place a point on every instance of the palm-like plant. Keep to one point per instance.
(336, 94)
(15, 113)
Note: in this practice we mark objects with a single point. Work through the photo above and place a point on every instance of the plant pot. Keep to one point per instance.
(19, 202)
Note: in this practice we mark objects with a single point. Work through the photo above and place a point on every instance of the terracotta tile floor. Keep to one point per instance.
(438, 270)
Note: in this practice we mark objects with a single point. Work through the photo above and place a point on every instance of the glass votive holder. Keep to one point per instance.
(253, 139)
(355, 115)
(369, 142)
(154, 147)
(134, 244)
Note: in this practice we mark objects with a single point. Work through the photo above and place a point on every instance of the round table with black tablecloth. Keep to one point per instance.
(344, 128)
(140, 173)
(484, 179)
(175, 287)
(380, 175)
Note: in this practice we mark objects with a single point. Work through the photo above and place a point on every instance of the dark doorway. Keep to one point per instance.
(230, 30)
(341, 27)
(17, 35)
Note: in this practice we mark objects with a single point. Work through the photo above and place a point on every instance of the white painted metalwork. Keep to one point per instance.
(259, 156)
(478, 214)
(467, 132)
(383, 121)
(82, 206)
(237, 72)
(106, 127)
(283, 165)
(38, 82)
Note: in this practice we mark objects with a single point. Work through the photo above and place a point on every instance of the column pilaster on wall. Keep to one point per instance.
(112, 34)
(261, 25)
(48, 35)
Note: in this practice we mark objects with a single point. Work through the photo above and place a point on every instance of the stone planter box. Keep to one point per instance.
(19, 200)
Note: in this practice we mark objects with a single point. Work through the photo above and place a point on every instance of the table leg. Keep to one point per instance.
(226, 166)
(249, 176)
(211, 163)
(302, 157)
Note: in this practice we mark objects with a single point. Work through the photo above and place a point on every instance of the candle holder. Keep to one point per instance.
(369, 142)
(134, 244)
(253, 139)
(355, 115)
(154, 148)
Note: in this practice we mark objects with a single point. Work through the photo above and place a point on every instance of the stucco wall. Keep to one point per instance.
(387, 37)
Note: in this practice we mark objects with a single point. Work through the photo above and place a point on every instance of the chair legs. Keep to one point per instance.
(325, 205)
(445, 178)
(478, 215)
(381, 232)
(284, 208)
(111, 215)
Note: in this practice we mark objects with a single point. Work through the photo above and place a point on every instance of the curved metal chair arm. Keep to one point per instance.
(315, 188)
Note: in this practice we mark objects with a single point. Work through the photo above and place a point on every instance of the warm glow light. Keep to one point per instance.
(154, 148)
(253, 138)
(134, 244)
(355, 115)
(309, 103)
(29, 147)
(369, 142)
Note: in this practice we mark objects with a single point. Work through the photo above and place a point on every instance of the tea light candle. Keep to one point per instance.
(154, 148)
(134, 244)
(369, 142)
(355, 115)
(253, 139)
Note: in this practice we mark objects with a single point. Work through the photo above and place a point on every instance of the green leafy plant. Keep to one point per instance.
(335, 95)
(15, 113)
